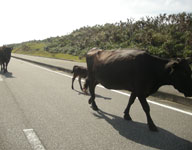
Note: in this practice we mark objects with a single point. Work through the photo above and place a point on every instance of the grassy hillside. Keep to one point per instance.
(37, 48)
(167, 36)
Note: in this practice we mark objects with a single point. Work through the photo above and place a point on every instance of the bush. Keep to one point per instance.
(163, 35)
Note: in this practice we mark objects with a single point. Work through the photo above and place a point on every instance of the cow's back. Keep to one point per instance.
(123, 69)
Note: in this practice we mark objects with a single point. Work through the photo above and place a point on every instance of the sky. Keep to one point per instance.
(25, 20)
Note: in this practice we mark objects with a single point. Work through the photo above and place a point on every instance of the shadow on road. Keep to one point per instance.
(7, 74)
(139, 133)
(96, 95)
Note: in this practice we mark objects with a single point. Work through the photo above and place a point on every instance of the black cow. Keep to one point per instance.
(5, 56)
(138, 72)
(81, 72)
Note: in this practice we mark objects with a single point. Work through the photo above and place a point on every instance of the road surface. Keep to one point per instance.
(39, 110)
(165, 92)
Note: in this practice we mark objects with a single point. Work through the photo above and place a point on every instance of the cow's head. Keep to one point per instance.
(9, 49)
(181, 76)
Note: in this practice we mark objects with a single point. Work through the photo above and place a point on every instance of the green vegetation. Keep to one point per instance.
(37, 48)
(168, 36)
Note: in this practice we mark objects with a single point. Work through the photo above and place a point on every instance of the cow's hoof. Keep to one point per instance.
(95, 108)
(153, 128)
(127, 117)
(85, 91)
(90, 101)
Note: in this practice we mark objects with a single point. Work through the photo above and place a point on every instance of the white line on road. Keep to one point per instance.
(123, 93)
(159, 104)
(33, 139)
(1, 79)
(155, 103)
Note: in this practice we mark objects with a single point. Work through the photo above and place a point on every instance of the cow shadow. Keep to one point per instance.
(80, 92)
(7, 74)
(96, 95)
(139, 133)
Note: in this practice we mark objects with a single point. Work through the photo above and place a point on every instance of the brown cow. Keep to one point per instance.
(138, 72)
(81, 72)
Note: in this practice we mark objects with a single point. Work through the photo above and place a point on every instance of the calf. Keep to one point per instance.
(81, 72)
(138, 72)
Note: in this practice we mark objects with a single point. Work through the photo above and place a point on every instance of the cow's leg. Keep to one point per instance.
(85, 86)
(1, 67)
(146, 108)
(80, 83)
(131, 101)
(74, 76)
(6, 64)
(5, 67)
(92, 92)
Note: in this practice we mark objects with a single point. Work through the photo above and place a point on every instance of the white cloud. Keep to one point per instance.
(23, 20)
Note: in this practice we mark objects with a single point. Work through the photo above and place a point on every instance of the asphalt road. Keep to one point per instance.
(39, 110)
(165, 92)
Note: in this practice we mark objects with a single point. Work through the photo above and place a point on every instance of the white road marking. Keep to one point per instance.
(1, 79)
(37, 66)
(159, 104)
(123, 93)
(33, 139)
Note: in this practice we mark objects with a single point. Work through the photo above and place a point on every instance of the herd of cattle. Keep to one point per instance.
(5, 55)
(134, 70)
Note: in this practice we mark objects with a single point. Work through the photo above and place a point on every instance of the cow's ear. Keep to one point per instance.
(174, 67)
(171, 66)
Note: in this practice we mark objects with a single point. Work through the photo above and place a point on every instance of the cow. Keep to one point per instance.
(5, 56)
(138, 72)
(81, 72)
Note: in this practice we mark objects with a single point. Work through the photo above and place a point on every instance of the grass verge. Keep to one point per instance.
(43, 53)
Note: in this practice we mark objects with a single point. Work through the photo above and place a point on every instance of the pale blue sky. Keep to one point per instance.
(24, 20)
